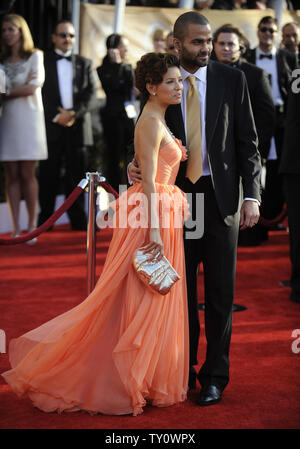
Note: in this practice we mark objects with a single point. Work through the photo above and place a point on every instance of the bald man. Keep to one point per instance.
(291, 37)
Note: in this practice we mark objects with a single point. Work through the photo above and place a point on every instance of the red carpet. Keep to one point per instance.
(41, 281)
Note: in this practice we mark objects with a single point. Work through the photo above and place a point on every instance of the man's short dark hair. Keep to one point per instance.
(228, 29)
(60, 22)
(268, 19)
(188, 18)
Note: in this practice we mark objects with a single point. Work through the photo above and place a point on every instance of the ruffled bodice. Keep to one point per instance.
(169, 158)
(173, 208)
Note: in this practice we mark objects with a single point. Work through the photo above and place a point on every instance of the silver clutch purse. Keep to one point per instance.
(159, 276)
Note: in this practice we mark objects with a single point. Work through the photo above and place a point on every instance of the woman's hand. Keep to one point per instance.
(155, 245)
(114, 55)
(23, 91)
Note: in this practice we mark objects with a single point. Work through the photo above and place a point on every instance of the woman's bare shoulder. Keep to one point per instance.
(149, 124)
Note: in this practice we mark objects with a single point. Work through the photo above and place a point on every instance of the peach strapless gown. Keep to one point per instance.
(123, 345)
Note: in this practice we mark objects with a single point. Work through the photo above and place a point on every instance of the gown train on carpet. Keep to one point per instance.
(124, 345)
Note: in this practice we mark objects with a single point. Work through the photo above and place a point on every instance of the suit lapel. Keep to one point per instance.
(279, 64)
(53, 75)
(74, 79)
(252, 56)
(281, 75)
(214, 100)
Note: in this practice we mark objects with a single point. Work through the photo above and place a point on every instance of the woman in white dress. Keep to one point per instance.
(22, 125)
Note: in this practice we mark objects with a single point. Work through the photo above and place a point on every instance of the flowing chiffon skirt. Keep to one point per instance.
(123, 345)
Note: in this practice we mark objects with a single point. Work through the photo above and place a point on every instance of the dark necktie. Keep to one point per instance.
(261, 56)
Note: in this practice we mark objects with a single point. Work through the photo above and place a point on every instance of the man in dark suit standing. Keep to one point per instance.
(229, 160)
(279, 65)
(228, 42)
(68, 96)
(290, 169)
(223, 160)
(228, 49)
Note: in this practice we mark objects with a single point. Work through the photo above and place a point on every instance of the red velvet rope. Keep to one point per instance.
(108, 188)
(269, 223)
(48, 223)
(73, 197)
(54, 217)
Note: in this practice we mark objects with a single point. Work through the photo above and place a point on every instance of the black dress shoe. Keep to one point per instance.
(209, 395)
(278, 227)
(285, 283)
(295, 297)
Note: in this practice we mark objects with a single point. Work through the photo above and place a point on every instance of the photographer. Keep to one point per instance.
(117, 116)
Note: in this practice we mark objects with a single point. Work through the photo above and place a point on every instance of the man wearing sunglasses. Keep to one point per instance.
(68, 96)
(279, 65)
(170, 47)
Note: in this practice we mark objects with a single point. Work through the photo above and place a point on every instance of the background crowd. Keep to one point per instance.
(50, 104)
(203, 4)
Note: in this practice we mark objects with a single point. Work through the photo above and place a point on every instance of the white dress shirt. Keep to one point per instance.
(65, 79)
(270, 66)
(201, 82)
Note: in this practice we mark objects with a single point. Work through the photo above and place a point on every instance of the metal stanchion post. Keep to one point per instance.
(93, 179)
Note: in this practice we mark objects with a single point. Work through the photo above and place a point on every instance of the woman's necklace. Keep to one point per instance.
(12, 69)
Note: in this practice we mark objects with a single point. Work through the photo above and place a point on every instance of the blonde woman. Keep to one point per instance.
(22, 125)
(159, 40)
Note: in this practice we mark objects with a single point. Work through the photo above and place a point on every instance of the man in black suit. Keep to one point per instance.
(228, 49)
(229, 160)
(279, 65)
(228, 42)
(291, 38)
(68, 96)
(290, 169)
(230, 164)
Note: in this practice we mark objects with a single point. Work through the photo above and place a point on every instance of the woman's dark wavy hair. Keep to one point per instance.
(151, 68)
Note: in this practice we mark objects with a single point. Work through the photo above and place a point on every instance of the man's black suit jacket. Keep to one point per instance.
(286, 63)
(84, 90)
(262, 104)
(117, 83)
(290, 158)
(231, 138)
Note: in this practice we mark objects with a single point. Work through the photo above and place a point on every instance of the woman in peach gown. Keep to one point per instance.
(124, 345)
